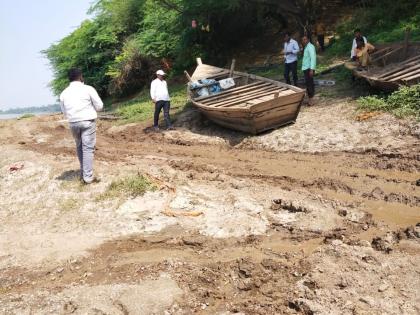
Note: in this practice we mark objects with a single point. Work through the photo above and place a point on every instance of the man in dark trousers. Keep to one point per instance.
(291, 50)
(160, 97)
(308, 67)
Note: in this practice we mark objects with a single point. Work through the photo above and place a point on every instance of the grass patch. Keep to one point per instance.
(402, 103)
(141, 108)
(25, 116)
(132, 186)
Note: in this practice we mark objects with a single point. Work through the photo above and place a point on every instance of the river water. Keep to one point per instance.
(13, 116)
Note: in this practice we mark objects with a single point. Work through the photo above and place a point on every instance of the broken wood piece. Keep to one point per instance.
(171, 213)
(188, 76)
(232, 68)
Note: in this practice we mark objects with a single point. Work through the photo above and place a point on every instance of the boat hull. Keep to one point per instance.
(254, 107)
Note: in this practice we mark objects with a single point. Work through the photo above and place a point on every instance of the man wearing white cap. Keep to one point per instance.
(160, 97)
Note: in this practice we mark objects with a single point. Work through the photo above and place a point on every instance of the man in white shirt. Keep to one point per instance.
(79, 104)
(160, 97)
(291, 50)
(357, 37)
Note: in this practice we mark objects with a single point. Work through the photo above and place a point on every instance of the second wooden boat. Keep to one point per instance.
(392, 65)
(255, 104)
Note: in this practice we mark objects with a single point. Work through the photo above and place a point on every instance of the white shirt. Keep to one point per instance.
(293, 48)
(159, 90)
(80, 102)
(353, 47)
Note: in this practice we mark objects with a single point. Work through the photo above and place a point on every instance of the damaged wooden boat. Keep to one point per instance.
(392, 65)
(253, 105)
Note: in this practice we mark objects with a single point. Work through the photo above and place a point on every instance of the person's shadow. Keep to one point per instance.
(69, 176)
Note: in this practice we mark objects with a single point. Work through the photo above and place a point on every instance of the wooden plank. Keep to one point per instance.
(288, 99)
(399, 67)
(266, 96)
(249, 93)
(387, 54)
(235, 94)
(256, 103)
(396, 74)
(378, 52)
(229, 91)
(245, 98)
(241, 93)
(232, 67)
(411, 59)
(417, 75)
(405, 75)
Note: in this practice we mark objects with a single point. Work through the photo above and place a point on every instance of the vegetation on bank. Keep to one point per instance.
(33, 109)
(402, 103)
(131, 186)
(124, 42)
(381, 21)
(141, 108)
(24, 116)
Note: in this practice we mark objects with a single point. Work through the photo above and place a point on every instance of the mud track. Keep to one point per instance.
(282, 232)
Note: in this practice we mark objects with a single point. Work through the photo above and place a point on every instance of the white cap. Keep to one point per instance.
(160, 72)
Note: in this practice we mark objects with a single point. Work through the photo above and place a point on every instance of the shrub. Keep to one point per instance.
(402, 103)
(132, 186)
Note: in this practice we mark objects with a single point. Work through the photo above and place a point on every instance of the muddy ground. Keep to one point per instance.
(321, 217)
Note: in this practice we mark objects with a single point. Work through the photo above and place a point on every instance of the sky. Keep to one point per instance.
(26, 28)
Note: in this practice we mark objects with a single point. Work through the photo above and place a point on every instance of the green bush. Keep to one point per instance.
(384, 21)
(24, 116)
(132, 186)
(402, 103)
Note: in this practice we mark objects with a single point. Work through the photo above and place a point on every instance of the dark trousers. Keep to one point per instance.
(293, 68)
(321, 42)
(166, 105)
(309, 82)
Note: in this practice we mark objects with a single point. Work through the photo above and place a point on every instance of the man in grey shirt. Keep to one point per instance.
(79, 103)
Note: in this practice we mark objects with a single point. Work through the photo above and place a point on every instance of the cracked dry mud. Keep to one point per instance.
(302, 220)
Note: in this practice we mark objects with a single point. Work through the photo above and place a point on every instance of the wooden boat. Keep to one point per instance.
(255, 104)
(392, 65)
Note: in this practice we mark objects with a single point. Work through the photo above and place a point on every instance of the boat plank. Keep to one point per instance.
(416, 76)
(221, 94)
(396, 74)
(408, 74)
(398, 68)
(393, 51)
(243, 93)
(293, 98)
(246, 98)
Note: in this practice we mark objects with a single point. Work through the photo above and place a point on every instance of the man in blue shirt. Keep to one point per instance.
(308, 67)
(291, 50)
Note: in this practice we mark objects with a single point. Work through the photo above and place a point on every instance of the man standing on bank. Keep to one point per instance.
(79, 104)
(160, 97)
(308, 67)
(291, 50)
